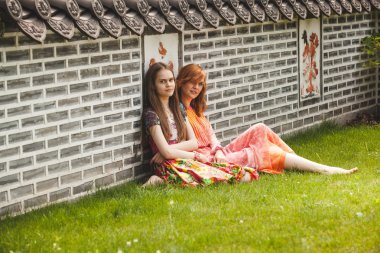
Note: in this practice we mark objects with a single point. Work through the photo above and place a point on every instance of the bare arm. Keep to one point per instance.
(170, 151)
(191, 143)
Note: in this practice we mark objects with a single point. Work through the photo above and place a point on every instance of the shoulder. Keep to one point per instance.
(150, 118)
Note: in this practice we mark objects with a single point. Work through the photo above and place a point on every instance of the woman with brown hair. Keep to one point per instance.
(172, 139)
(258, 147)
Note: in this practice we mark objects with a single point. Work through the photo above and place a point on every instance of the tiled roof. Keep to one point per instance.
(34, 17)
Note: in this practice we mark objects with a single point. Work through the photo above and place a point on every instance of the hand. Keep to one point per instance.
(220, 157)
(200, 157)
(157, 159)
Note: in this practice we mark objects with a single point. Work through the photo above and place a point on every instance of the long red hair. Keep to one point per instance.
(193, 73)
(152, 101)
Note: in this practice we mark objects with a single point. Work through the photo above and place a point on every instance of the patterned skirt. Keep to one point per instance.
(193, 173)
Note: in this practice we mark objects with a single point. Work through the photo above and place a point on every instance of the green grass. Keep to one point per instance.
(293, 212)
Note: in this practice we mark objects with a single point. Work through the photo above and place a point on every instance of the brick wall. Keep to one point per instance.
(70, 111)
(69, 117)
(253, 74)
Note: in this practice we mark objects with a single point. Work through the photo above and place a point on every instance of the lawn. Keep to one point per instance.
(292, 212)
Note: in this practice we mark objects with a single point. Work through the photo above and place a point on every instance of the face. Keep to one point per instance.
(191, 90)
(165, 83)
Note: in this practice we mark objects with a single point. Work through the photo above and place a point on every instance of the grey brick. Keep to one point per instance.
(8, 99)
(43, 79)
(191, 47)
(47, 184)
(58, 167)
(80, 112)
(58, 141)
(33, 146)
(60, 194)
(121, 57)
(101, 157)
(89, 48)
(80, 162)
(44, 106)
(79, 87)
(124, 174)
(23, 136)
(89, 73)
(132, 113)
(91, 97)
(43, 132)
(93, 172)
(53, 65)
(72, 126)
(121, 152)
(111, 69)
(30, 95)
(10, 209)
(102, 131)
(80, 136)
(2, 140)
(70, 178)
(8, 71)
(67, 50)
(9, 152)
(102, 107)
(42, 53)
(92, 122)
(35, 173)
(52, 155)
(113, 141)
(3, 197)
(131, 90)
(121, 80)
(88, 186)
(30, 68)
(101, 84)
(10, 179)
(84, 61)
(66, 152)
(56, 91)
(21, 191)
(112, 93)
(20, 163)
(18, 83)
(67, 76)
(36, 201)
(130, 43)
(104, 181)
(92, 146)
(18, 55)
(100, 59)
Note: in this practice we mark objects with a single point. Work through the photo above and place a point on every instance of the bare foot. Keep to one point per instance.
(246, 178)
(336, 170)
(152, 181)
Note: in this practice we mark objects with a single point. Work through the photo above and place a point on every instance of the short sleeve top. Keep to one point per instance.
(151, 118)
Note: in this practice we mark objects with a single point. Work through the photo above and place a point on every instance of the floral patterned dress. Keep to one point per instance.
(258, 147)
(188, 171)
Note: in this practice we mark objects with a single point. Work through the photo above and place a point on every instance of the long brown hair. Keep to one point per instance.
(194, 73)
(152, 101)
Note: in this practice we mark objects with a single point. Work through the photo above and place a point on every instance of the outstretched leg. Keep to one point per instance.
(293, 161)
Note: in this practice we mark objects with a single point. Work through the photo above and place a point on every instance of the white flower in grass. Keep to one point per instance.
(359, 214)
(158, 251)
(129, 243)
(351, 193)
(135, 240)
(119, 251)
(241, 221)
(171, 202)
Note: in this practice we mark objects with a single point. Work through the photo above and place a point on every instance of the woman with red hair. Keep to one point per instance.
(258, 147)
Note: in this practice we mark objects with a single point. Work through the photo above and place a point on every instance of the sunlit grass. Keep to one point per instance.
(293, 212)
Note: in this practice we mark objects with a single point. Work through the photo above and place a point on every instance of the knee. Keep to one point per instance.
(261, 126)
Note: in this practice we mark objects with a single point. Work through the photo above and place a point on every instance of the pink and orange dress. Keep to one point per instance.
(258, 147)
(188, 171)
